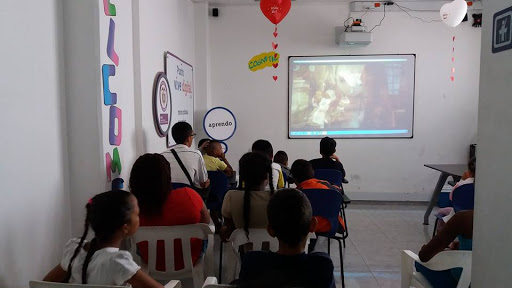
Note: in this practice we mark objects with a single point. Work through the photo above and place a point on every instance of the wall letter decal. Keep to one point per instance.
(109, 8)
(113, 137)
(112, 165)
(108, 97)
(110, 43)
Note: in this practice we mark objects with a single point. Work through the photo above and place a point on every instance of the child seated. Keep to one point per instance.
(459, 227)
(247, 206)
(305, 179)
(281, 158)
(264, 147)
(329, 160)
(215, 160)
(201, 146)
(290, 220)
(112, 216)
(467, 178)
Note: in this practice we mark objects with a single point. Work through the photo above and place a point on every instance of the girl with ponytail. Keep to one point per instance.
(246, 207)
(112, 216)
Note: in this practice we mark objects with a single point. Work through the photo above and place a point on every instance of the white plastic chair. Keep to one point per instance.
(257, 236)
(442, 261)
(43, 284)
(211, 282)
(203, 267)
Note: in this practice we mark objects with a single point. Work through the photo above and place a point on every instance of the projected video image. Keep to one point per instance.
(351, 96)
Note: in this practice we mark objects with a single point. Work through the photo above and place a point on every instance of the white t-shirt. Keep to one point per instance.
(276, 168)
(193, 162)
(108, 266)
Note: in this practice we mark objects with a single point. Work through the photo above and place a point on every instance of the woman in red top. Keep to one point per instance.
(150, 182)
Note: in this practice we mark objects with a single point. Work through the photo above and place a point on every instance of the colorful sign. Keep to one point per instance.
(263, 60)
(111, 110)
(162, 105)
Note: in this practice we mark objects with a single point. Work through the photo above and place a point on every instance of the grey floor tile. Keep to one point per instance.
(357, 280)
(351, 263)
(388, 279)
(383, 262)
(413, 246)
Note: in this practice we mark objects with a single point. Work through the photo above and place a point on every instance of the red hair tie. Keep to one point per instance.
(90, 201)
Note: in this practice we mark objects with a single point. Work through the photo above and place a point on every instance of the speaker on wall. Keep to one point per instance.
(215, 12)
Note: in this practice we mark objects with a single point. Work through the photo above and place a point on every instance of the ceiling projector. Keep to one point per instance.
(352, 36)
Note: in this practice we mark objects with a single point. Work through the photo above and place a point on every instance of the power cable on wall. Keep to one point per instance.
(380, 23)
(403, 9)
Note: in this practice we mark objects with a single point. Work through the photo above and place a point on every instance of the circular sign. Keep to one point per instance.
(162, 106)
(224, 147)
(219, 123)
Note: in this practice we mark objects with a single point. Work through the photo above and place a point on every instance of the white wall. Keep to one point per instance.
(445, 113)
(85, 45)
(51, 98)
(492, 233)
(163, 26)
(34, 210)
(202, 76)
(81, 63)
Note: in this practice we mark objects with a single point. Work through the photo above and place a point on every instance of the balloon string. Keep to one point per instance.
(274, 47)
(452, 75)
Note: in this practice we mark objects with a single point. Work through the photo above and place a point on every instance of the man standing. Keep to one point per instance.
(192, 160)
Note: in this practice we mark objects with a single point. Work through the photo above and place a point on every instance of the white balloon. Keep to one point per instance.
(453, 13)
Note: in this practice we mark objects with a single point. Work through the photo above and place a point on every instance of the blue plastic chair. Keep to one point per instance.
(327, 203)
(176, 185)
(218, 189)
(463, 198)
(333, 176)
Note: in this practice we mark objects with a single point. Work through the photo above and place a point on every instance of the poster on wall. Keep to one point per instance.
(181, 80)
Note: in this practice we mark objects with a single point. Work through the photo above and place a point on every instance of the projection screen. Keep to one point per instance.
(365, 96)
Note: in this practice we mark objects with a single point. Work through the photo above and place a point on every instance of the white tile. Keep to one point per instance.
(413, 246)
(383, 262)
(388, 279)
(357, 280)
(351, 263)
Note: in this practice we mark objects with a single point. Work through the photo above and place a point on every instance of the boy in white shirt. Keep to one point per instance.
(192, 159)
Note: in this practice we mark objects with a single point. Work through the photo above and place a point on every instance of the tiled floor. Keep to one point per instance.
(377, 233)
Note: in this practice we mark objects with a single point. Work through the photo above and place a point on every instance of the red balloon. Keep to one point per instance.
(275, 10)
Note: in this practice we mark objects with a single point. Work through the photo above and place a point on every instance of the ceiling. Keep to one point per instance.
(253, 2)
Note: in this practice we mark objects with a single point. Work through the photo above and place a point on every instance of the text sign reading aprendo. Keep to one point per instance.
(264, 60)
(219, 123)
